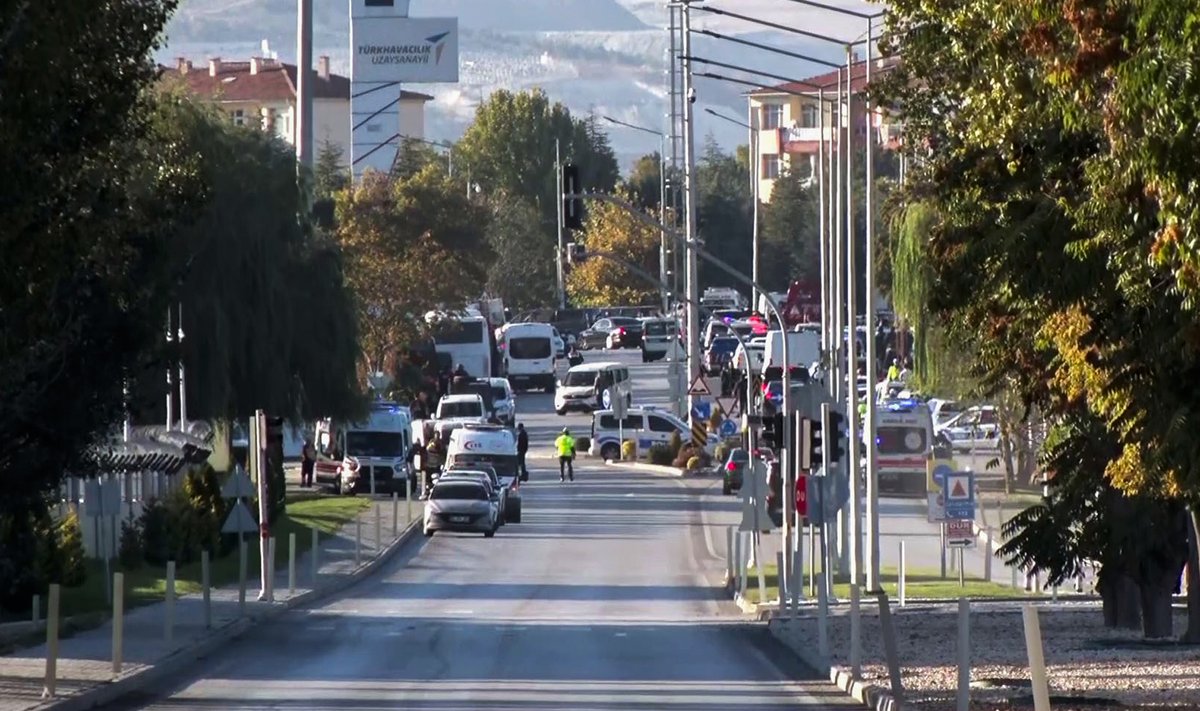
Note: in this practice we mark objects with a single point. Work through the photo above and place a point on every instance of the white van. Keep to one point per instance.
(369, 456)
(578, 388)
(458, 410)
(529, 355)
(804, 348)
(495, 447)
(645, 425)
(657, 336)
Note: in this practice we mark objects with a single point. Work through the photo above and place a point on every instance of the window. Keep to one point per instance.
(987, 417)
(661, 424)
(772, 116)
(579, 378)
(900, 440)
(459, 492)
(529, 348)
(466, 408)
(770, 167)
(809, 116)
(461, 332)
(239, 117)
(375, 444)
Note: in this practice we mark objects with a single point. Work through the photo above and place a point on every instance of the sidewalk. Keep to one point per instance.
(85, 676)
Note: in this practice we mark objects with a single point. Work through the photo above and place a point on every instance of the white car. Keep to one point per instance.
(458, 410)
(975, 428)
(461, 505)
(504, 401)
(560, 345)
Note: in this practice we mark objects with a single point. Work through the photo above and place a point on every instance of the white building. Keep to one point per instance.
(262, 92)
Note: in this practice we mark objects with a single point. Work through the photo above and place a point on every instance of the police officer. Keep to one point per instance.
(565, 444)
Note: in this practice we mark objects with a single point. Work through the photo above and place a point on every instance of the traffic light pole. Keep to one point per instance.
(560, 252)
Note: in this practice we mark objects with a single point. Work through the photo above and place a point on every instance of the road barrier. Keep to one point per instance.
(118, 622)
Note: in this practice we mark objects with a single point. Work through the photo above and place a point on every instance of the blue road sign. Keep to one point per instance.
(939, 474)
(958, 491)
(702, 409)
(728, 428)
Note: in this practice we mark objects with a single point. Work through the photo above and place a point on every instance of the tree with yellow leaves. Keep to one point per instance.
(411, 246)
(603, 282)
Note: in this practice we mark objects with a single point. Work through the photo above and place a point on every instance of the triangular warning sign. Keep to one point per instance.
(699, 386)
(958, 492)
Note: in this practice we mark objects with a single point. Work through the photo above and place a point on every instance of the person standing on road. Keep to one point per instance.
(522, 449)
(565, 444)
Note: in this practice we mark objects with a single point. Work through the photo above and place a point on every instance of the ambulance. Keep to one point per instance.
(365, 457)
(903, 445)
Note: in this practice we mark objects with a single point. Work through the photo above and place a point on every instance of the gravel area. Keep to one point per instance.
(1089, 666)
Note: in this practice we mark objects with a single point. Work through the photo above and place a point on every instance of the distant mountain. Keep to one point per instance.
(533, 15)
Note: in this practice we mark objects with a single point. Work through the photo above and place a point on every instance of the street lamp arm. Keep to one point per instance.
(769, 48)
(773, 25)
(728, 118)
(841, 10)
(743, 82)
(635, 127)
(748, 70)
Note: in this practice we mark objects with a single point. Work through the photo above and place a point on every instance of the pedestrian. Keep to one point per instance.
(565, 444)
(434, 455)
(894, 370)
(461, 379)
(522, 449)
(307, 464)
(419, 407)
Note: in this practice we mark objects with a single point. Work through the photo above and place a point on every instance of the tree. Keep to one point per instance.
(724, 215)
(789, 234)
(522, 272)
(267, 315)
(644, 182)
(88, 200)
(410, 246)
(603, 282)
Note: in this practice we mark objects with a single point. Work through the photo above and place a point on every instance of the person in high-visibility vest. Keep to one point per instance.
(565, 444)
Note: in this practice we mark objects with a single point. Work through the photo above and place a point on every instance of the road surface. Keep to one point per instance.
(606, 596)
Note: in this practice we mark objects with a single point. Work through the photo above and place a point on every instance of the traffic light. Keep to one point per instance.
(772, 432)
(833, 429)
(572, 207)
(810, 443)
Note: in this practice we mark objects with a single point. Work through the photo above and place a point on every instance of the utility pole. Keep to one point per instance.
(872, 478)
(170, 373)
(562, 248)
(856, 562)
(663, 252)
(838, 213)
(304, 84)
(754, 162)
(182, 382)
(822, 241)
(689, 188)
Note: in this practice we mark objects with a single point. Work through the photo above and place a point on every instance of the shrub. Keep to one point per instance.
(628, 450)
(714, 421)
(131, 551)
(693, 463)
(71, 555)
(722, 452)
(47, 561)
(674, 444)
(660, 454)
(207, 506)
(156, 524)
(686, 452)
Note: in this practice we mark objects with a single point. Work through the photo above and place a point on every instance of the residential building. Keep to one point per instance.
(262, 92)
(788, 119)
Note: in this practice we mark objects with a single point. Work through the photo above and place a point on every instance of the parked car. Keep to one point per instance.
(735, 470)
(626, 333)
(461, 505)
(596, 336)
(975, 428)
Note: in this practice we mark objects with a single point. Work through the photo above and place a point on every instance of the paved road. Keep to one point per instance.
(606, 596)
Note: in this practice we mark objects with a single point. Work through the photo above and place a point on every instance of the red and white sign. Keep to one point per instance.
(960, 533)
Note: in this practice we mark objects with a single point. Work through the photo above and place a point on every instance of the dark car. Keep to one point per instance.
(626, 333)
(719, 353)
(597, 335)
(735, 470)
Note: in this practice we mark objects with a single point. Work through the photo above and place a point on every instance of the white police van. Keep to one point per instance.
(645, 425)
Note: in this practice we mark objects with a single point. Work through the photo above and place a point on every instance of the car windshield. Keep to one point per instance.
(529, 348)
(577, 378)
(460, 332)
(458, 491)
(739, 455)
(625, 322)
(374, 444)
(503, 464)
(499, 393)
(465, 408)
(724, 345)
(658, 328)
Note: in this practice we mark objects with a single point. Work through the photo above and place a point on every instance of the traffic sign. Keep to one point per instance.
(238, 485)
(959, 495)
(728, 428)
(699, 386)
(702, 409)
(726, 405)
(239, 520)
(960, 533)
(754, 491)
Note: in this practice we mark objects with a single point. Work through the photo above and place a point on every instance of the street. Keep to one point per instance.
(606, 596)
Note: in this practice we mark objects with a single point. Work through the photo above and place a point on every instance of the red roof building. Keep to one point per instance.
(262, 92)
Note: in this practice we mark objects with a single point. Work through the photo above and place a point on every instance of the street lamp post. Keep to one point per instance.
(662, 204)
(749, 125)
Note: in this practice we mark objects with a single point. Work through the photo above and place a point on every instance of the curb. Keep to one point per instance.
(108, 692)
(652, 468)
(872, 696)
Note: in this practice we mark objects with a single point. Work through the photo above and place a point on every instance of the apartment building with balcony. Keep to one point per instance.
(262, 92)
(788, 119)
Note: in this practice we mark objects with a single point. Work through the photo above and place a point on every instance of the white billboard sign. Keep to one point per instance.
(404, 49)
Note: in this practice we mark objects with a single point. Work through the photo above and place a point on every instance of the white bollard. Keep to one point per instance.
(37, 609)
(51, 683)
(241, 577)
(901, 583)
(1016, 581)
(313, 554)
(378, 528)
(964, 654)
(408, 499)
(1037, 660)
(738, 568)
(855, 633)
(784, 593)
(729, 564)
(396, 512)
(169, 603)
(271, 569)
(1054, 593)
(118, 622)
(358, 540)
(813, 551)
(822, 619)
(987, 557)
(291, 564)
(205, 591)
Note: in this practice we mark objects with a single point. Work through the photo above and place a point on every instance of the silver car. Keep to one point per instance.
(463, 506)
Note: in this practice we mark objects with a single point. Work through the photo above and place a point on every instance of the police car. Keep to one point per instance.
(645, 425)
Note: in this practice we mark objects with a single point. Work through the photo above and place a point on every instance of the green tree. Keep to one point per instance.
(789, 237)
(88, 201)
(644, 182)
(522, 272)
(724, 214)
